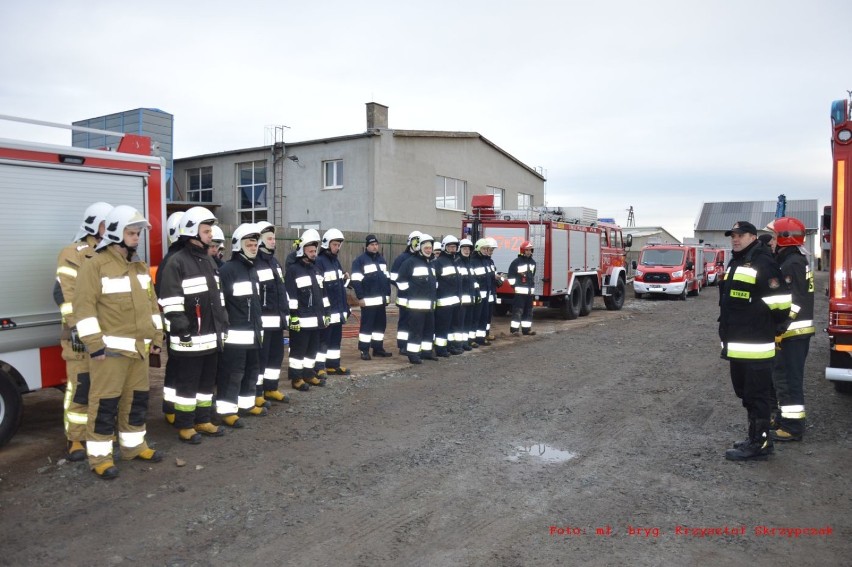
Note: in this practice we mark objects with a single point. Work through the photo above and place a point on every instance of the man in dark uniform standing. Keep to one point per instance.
(752, 304)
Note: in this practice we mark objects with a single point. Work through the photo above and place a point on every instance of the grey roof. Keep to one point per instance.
(722, 216)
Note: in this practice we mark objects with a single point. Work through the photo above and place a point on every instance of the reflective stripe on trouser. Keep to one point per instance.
(522, 313)
(443, 326)
(76, 401)
(196, 376)
(421, 331)
(372, 331)
(402, 328)
(118, 391)
(329, 349)
(304, 345)
(270, 359)
(169, 381)
(236, 381)
(788, 376)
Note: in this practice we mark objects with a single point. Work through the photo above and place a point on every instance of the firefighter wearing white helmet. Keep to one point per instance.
(448, 302)
(238, 365)
(71, 259)
(217, 246)
(413, 245)
(417, 285)
(196, 324)
(310, 312)
(275, 312)
(335, 281)
(119, 322)
(371, 283)
(469, 294)
(521, 277)
(480, 266)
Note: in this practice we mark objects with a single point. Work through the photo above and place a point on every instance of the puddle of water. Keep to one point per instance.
(541, 452)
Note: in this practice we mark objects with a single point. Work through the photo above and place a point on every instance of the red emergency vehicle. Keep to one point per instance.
(669, 269)
(576, 261)
(44, 191)
(715, 260)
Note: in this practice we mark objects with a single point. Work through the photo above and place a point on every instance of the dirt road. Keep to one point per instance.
(599, 441)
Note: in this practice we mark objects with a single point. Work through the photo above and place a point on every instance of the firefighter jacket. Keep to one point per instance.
(68, 265)
(800, 280)
(115, 305)
(394, 273)
(193, 303)
(335, 285)
(417, 283)
(753, 302)
(521, 275)
(449, 280)
(370, 279)
(274, 304)
(241, 287)
(478, 268)
(308, 300)
(469, 287)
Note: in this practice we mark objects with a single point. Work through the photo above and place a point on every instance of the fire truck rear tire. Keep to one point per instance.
(587, 295)
(10, 408)
(615, 301)
(570, 308)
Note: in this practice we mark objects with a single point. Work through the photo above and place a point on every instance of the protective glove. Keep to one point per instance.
(294, 324)
(326, 320)
(76, 344)
(185, 341)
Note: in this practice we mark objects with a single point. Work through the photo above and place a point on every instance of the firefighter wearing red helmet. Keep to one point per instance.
(794, 335)
(521, 276)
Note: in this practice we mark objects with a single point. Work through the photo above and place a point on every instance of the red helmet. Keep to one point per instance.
(526, 244)
(789, 231)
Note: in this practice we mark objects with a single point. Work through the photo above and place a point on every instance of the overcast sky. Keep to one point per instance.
(662, 105)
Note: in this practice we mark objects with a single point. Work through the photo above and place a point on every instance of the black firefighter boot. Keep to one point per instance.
(759, 446)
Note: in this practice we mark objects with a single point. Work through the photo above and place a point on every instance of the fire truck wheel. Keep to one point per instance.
(570, 308)
(697, 291)
(10, 408)
(587, 294)
(682, 295)
(615, 301)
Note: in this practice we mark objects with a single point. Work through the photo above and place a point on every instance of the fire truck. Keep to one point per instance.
(577, 260)
(669, 269)
(839, 369)
(44, 190)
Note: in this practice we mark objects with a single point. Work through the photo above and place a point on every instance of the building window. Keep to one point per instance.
(525, 201)
(332, 176)
(450, 193)
(498, 196)
(251, 192)
(199, 183)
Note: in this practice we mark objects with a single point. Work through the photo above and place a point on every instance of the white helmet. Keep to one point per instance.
(449, 239)
(265, 226)
(331, 235)
(466, 242)
(414, 240)
(121, 217)
(491, 242)
(192, 219)
(310, 236)
(424, 238)
(245, 230)
(173, 226)
(437, 247)
(92, 219)
(218, 237)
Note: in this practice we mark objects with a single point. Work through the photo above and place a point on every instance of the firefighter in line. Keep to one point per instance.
(120, 324)
(753, 302)
(489, 280)
(469, 293)
(275, 313)
(335, 282)
(411, 249)
(197, 322)
(418, 285)
(310, 312)
(794, 336)
(494, 280)
(169, 378)
(371, 283)
(217, 246)
(478, 268)
(521, 277)
(448, 302)
(238, 364)
(71, 259)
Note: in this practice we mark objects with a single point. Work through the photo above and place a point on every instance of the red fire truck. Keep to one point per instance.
(576, 260)
(839, 368)
(44, 190)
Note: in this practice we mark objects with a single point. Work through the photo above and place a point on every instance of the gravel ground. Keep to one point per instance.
(599, 441)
